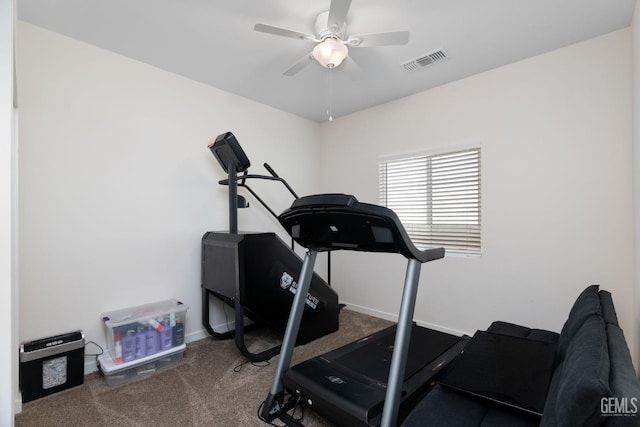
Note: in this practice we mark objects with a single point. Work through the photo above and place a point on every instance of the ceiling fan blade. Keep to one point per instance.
(303, 62)
(269, 29)
(338, 15)
(379, 39)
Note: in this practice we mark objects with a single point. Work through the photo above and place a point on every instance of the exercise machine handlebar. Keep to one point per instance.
(242, 178)
(241, 182)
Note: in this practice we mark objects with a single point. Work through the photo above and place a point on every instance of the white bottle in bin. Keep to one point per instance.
(156, 325)
(118, 350)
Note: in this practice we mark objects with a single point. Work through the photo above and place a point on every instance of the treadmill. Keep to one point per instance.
(368, 381)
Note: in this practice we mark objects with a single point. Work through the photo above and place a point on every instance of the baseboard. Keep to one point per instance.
(394, 318)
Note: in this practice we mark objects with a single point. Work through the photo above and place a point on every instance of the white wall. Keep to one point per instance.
(8, 296)
(636, 170)
(117, 185)
(556, 188)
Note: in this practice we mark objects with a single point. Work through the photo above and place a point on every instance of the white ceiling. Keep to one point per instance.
(213, 41)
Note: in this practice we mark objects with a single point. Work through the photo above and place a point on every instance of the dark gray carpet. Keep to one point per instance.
(203, 390)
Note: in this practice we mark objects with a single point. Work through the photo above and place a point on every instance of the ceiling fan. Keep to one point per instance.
(332, 43)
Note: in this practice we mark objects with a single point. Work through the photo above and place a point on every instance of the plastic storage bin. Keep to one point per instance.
(139, 333)
(116, 374)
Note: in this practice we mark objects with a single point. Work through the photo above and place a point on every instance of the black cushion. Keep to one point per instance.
(581, 380)
(587, 304)
(608, 309)
(506, 328)
(448, 408)
(596, 364)
(622, 379)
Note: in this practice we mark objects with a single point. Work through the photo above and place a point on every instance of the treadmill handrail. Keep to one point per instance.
(325, 222)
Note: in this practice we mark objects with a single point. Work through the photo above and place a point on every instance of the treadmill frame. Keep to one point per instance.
(275, 405)
(325, 222)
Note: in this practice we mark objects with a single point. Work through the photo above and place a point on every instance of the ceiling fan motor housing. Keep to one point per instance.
(322, 29)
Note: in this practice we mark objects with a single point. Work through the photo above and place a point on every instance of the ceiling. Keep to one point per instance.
(213, 42)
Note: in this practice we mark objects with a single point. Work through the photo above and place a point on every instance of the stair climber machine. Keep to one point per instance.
(375, 380)
(257, 273)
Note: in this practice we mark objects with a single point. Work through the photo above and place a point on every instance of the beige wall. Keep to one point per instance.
(117, 185)
(555, 132)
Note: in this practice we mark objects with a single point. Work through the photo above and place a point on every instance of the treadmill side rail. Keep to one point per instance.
(401, 345)
(273, 404)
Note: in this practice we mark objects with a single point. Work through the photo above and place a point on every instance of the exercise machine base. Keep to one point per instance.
(348, 385)
(257, 275)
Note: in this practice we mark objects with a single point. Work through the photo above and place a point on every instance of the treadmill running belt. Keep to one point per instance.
(374, 358)
(348, 384)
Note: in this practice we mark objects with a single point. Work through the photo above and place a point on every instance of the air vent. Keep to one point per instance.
(423, 61)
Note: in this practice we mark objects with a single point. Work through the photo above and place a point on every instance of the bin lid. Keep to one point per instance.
(126, 315)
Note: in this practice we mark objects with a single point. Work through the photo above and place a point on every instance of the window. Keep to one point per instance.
(437, 198)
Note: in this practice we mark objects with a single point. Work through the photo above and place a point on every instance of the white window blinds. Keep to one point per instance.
(436, 197)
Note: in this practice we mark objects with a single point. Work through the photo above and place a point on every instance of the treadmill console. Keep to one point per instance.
(326, 222)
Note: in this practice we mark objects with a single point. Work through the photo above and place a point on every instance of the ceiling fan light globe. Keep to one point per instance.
(330, 53)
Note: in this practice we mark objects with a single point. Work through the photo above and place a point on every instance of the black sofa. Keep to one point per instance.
(593, 381)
